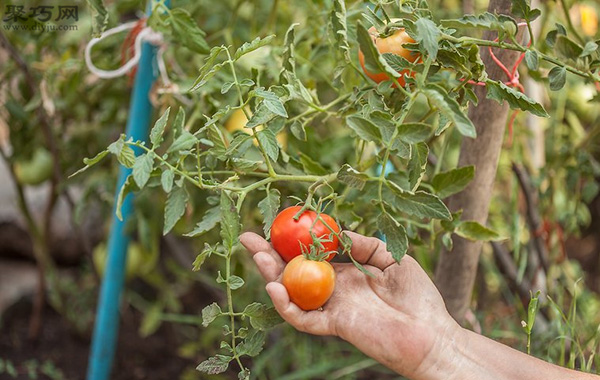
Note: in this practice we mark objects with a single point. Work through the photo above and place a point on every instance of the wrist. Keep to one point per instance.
(444, 357)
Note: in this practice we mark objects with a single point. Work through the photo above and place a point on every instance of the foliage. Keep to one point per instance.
(380, 158)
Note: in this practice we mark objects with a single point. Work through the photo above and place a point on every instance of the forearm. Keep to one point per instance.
(474, 357)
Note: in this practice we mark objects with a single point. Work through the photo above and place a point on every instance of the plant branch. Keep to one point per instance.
(533, 216)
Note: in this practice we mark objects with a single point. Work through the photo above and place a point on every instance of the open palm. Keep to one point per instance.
(398, 313)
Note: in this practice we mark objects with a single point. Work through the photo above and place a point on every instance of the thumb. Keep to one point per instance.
(369, 250)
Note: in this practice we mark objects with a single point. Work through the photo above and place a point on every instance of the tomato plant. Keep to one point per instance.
(309, 283)
(380, 159)
(237, 122)
(291, 237)
(392, 44)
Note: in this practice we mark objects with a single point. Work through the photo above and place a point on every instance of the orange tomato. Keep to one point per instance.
(392, 44)
(309, 283)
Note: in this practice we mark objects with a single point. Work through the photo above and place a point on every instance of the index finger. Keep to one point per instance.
(267, 259)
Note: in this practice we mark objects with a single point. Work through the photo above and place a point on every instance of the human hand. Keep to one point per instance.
(398, 317)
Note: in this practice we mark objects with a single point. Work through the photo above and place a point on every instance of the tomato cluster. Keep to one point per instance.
(309, 282)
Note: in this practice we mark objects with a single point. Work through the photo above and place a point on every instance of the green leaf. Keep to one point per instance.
(272, 102)
(452, 181)
(215, 365)
(288, 60)
(417, 164)
(451, 225)
(268, 140)
(235, 282)
(475, 231)
(159, 127)
(211, 218)
(239, 145)
(226, 87)
(209, 69)
(94, 160)
(244, 165)
(268, 208)
(428, 36)
(128, 186)
(364, 128)
(532, 310)
(589, 49)
(187, 31)
(142, 168)
(263, 317)
(395, 236)
(244, 374)
(311, 166)
(522, 8)
(447, 241)
(384, 122)
(174, 208)
(210, 313)
(352, 177)
(532, 60)
(422, 205)
(254, 309)
(201, 257)
(123, 152)
(567, 48)
(516, 99)
(179, 122)
(346, 212)
(553, 34)
(185, 141)
(252, 344)
(255, 44)
(297, 129)
(100, 20)
(450, 108)
(215, 136)
(399, 63)
(485, 21)
(374, 62)
(340, 28)
(262, 116)
(557, 78)
(230, 222)
(166, 180)
(89, 162)
(414, 132)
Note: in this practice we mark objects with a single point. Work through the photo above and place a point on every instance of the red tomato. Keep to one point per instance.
(392, 44)
(288, 236)
(309, 283)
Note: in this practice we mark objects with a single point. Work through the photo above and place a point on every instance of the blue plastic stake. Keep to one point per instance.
(107, 315)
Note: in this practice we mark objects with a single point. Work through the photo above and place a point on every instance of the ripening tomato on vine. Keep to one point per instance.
(393, 44)
(292, 236)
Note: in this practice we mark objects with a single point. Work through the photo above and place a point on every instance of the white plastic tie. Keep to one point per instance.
(146, 34)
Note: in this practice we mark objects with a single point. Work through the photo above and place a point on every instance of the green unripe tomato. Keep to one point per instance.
(135, 259)
(36, 170)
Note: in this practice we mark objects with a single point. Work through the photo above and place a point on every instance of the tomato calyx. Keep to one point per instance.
(316, 252)
(389, 29)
